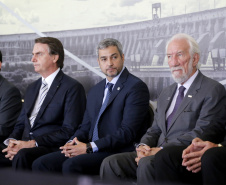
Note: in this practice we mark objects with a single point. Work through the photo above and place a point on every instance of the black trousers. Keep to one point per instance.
(169, 169)
(81, 164)
(214, 166)
(24, 158)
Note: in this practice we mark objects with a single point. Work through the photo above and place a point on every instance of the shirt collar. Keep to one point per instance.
(50, 78)
(115, 79)
(188, 83)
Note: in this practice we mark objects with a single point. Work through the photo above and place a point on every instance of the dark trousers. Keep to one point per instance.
(123, 166)
(169, 169)
(4, 162)
(81, 164)
(214, 166)
(24, 158)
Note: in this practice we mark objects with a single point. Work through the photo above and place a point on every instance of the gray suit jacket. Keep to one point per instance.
(203, 104)
(10, 106)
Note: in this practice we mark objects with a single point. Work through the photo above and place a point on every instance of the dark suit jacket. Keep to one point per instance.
(59, 116)
(124, 120)
(10, 107)
(201, 106)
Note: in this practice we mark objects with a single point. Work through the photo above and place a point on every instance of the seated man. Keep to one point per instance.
(116, 116)
(53, 108)
(202, 162)
(10, 106)
(184, 110)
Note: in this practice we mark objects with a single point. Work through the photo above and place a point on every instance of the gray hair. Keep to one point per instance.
(109, 42)
(194, 47)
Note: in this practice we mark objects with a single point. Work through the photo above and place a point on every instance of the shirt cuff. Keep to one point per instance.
(143, 144)
(6, 142)
(94, 146)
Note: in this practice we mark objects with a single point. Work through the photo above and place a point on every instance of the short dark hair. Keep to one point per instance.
(55, 48)
(0, 56)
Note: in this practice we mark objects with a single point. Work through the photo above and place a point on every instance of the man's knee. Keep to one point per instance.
(209, 157)
(21, 154)
(106, 168)
(144, 164)
(38, 165)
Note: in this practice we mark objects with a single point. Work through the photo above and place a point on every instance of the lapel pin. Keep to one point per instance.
(118, 88)
(168, 98)
(189, 96)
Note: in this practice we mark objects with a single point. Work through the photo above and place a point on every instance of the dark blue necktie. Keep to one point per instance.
(177, 104)
(103, 107)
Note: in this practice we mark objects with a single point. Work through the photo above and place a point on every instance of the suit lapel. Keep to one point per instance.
(99, 97)
(165, 105)
(50, 94)
(32, 97)
(193, 90)
(119, 85)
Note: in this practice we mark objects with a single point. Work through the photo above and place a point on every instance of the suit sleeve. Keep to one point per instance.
(82, 133)
(133, 118)
(74, 107)
(213, 112)
(10, 106)
(151, 137)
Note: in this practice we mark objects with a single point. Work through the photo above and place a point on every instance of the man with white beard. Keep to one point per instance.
(184, 110)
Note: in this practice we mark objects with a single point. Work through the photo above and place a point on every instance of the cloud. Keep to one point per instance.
(129, 2)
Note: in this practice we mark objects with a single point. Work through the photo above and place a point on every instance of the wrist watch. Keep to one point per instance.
(220, 145)
(89, 148)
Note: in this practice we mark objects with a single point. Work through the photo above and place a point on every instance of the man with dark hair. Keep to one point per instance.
(116, 116)
(184, 110)
(10, 106)
(53, 108)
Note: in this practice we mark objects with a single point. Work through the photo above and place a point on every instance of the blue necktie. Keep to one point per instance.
(103, 107)
(177, 104)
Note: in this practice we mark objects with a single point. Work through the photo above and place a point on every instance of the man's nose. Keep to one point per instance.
(173, 61)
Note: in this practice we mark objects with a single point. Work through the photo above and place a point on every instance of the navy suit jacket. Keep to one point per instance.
(10, 107)
(59, 116)
(125, 119)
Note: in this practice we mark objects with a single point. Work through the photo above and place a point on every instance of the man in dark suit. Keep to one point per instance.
(10, 106)
(52, 111)
(184, 110)
(116, 116)
(202, 162)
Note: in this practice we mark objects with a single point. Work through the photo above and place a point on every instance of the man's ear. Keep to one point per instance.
(195, 59)
(0, 65)
(55, 58)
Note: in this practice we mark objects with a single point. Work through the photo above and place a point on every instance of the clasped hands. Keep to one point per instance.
(144, 151)
(15, 145)
(193, 153)
(73, 148)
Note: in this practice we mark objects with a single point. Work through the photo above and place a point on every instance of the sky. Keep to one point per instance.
(57, 15)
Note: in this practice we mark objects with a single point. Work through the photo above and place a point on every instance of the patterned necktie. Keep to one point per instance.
(104, 105)
(43, 92)
(177, 104)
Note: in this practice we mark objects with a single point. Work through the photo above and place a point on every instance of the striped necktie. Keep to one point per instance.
(103, 107)
(43, 92)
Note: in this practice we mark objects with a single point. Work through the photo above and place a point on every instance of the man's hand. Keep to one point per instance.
(144, 151)
(70, 150)
(193, 153)
(14, 146)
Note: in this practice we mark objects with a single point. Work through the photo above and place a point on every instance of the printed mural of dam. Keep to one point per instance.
(143, 43)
